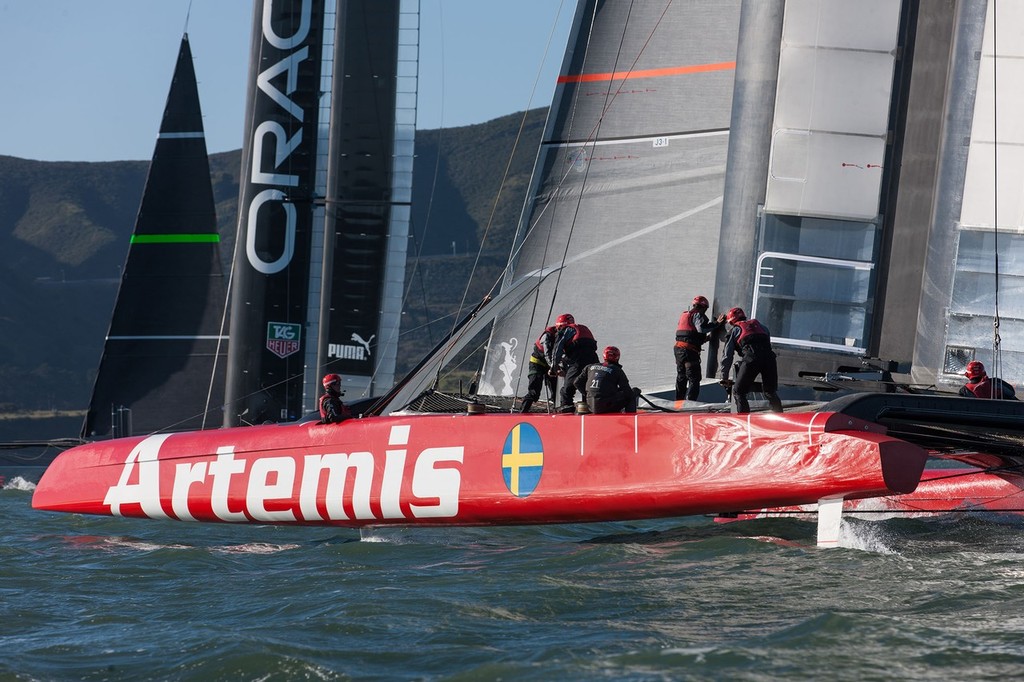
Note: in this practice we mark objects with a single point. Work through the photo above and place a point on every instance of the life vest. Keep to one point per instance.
(583, 333)
(543, 346)
(581, 348)
(982, 389)
(323, 405)
(343, 411)
(687, 332)
(752, 333)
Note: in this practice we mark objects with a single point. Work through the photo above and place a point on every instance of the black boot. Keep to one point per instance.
(527, 404)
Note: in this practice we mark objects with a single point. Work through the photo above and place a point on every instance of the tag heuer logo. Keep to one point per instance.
(283, 338)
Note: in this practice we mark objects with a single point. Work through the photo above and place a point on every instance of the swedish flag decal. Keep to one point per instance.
(522, 460)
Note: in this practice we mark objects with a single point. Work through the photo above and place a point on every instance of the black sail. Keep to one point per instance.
(163, 366)
(369, 188)
(270, 288)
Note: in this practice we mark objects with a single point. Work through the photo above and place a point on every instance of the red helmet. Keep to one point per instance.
(332, 381)
(735, 315)
(564, 319)
(700, 302)
(975, 369)
(611, 354)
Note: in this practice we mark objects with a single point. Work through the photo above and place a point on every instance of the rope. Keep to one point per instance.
(590, 140)
(997, 359)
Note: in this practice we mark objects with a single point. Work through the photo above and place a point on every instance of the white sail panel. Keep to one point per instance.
(992, 214)
(832, 108)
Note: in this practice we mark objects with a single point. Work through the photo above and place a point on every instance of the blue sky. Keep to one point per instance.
(86, 80)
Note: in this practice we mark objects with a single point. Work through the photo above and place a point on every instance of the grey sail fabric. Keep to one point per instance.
(626, 196)
(979, 209)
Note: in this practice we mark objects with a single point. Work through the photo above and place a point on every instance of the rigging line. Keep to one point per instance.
(420, 243)
(227, 300)
(220, 340)
(416, 274)
(609, 99)
(525, 216)
(591, 139)
(247, 154)
(490, 219)
(511, 157)
(427, 324)
(997, 360)
(561, 181)
(964, 474)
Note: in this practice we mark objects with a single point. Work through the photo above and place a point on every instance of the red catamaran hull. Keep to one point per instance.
(941, 491)
(484, 469)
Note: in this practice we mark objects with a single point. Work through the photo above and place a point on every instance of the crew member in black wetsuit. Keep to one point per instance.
(691, 333)
(332, 410)
(753, 342)
(606, 386)
(575, 348)
(540, 366)
(981, 385)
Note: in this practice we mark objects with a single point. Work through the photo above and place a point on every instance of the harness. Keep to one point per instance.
(752, 333)
(687, 335)
(982, 389)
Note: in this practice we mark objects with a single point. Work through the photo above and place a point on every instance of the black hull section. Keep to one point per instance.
(991, 432)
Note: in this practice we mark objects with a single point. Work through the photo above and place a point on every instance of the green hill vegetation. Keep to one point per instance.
(65, 228)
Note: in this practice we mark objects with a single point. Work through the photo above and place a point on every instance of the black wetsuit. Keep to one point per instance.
(753, 342)
(332, 410)
(988, 387)
(574, 349)
(607, 389)
(540, 366)
(691, 333)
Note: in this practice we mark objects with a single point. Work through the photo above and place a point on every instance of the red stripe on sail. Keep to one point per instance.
(647, 73)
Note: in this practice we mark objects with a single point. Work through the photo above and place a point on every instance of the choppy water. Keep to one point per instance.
(96, 598)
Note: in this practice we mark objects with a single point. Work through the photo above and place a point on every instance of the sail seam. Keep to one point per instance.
(711, 132)
(169, 338)
(202, 238)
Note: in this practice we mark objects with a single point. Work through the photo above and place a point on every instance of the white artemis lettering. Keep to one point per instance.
(271, 493)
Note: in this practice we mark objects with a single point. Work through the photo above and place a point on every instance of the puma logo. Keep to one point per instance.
(362, 342)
